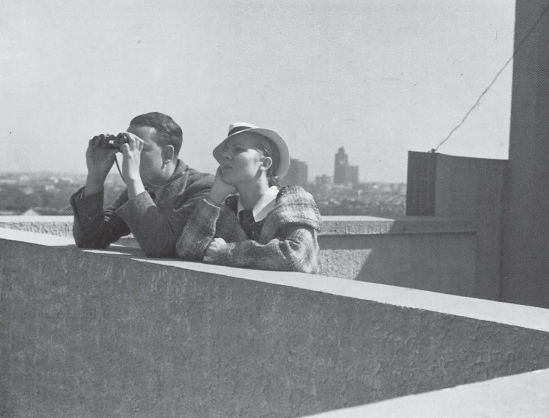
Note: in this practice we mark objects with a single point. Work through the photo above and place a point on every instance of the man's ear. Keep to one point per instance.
(266, 163)
(168, 153)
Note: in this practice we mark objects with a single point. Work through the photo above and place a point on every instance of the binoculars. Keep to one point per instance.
(113, 141)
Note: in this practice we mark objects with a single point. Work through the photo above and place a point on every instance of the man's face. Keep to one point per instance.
(151, 155)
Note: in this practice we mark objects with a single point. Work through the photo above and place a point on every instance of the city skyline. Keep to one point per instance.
(379, 78)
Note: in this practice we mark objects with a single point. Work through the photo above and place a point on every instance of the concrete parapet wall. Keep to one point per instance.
(428, 253)
(103, 333)
(53, 225)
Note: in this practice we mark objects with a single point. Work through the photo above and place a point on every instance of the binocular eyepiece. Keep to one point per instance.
(113, 141)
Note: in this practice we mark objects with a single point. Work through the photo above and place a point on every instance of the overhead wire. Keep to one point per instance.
(494, 79)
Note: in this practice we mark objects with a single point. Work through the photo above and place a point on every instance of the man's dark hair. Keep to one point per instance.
(169, 132)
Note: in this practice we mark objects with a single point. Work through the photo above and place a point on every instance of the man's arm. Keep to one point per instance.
(207, 221)
(157, 229)
(93, 227)
(211, 218)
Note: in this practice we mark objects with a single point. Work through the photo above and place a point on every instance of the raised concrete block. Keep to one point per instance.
(463, 187)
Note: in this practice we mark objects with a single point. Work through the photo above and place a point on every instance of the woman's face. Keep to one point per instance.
(242, 161)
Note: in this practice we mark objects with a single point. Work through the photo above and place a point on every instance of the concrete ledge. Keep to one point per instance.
(369, 225)
(522, 395)
(109, 332)
(429, 253)
(54, 225)
(331, 225)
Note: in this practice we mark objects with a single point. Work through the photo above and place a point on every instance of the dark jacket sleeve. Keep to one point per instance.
(156, 229)
(94, 227)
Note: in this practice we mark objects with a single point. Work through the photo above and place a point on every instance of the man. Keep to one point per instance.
(161, 190)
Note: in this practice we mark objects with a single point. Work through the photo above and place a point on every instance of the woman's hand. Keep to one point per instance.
(220, 190)
(216, 247)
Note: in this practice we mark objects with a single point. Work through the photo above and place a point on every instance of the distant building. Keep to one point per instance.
(323, 180)
(351, 175)
(297, 173)
(343, 172)
(341, 161)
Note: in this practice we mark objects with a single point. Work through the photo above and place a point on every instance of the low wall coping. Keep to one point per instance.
(331, 225)
(480, 309)
(356, 225)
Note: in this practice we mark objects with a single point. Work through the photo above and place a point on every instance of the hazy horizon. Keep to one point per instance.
(379, 78)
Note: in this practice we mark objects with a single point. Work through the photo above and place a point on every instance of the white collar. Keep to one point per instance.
(264, 205)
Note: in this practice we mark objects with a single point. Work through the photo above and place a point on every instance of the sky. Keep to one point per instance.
(378, 77)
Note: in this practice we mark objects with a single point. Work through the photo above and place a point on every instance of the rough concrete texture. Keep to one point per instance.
(428, 253)
(525, 265)
(53, 225)
(369, 225)
(103, 333)
(440, 262)
(522, 395)
(331, 225)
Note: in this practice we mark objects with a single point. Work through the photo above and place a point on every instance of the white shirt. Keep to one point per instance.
(264, 205)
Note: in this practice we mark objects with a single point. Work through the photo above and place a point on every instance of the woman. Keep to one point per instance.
(261, 226)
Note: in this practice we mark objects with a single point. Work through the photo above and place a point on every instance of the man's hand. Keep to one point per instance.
(216, 247)
(99, 160)
(131, 152)
(220, 190)
(131, 163)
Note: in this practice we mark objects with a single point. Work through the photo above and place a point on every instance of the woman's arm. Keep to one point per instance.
(199, 231)
(295, 249)
(210, 218)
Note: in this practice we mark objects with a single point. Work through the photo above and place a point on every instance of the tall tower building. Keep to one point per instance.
(341, 161)
(343, 172)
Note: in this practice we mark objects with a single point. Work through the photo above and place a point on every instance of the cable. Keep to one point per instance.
(520, 44)
(119, 171)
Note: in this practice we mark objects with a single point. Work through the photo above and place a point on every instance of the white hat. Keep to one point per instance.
(237, 128)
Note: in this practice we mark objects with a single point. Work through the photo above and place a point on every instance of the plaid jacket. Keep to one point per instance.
(155, 218)
(288, 238)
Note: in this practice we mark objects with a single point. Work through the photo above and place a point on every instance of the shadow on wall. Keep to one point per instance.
(450, 242)
(435, 254)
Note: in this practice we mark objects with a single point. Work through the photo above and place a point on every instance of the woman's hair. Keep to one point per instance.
(268, 149)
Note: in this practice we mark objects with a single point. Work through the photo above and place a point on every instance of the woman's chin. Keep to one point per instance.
(227, 179)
